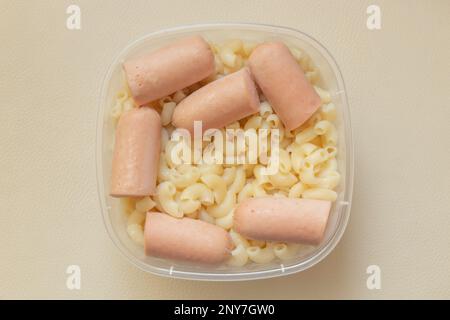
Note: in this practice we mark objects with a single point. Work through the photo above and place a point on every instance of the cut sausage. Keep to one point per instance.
(185, 239)
(136, 153)
(282, 219)
(219, 103)
(283, 83)
(169, 69)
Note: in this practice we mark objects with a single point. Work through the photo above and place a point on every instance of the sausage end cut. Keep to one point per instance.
(185, 239)
(282, 219)
(219, 103)
(168, 69)
(136, 153)
(283, 83)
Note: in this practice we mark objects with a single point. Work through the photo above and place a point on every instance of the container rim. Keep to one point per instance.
(345, 207)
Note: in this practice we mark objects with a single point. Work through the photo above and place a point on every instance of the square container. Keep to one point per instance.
(331, 80)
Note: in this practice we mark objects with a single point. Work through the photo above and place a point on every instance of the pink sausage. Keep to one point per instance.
(282, 219)
(219, 103)
(169, 69)
(185, 239)
(136, 153)
(283, 83)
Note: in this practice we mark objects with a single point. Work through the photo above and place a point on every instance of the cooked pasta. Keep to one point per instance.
(165, 195)
(260, 255)
(204, 216)
(238, 239)
(222, 209)
(217, 185)
(193, 196)
(136, 217)
(239, 180)
(239, 256)
(226, 222)
(296, 190)
(179, 96)
(145, 204)
(246, 192)
(324, 95)
(328, 112)
(286, 251)
(320, 194)
(167, 111)
(136, 233)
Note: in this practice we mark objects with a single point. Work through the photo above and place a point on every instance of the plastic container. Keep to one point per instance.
(332, 80)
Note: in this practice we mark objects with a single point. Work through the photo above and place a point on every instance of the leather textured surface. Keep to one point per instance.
(398, 84)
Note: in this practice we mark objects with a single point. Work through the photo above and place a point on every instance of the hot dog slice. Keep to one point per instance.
(169, 69)
(282, 219)
(185, 239)
(283, 83)
(136, 153)
(219, 103)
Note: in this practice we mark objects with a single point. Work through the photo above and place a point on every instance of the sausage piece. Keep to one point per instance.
(282, 219)
(219, 103)
(185, 239)
(136, 153)
(283, 83)
(169, 69)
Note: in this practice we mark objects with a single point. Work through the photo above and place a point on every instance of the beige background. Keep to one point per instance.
(398, 82)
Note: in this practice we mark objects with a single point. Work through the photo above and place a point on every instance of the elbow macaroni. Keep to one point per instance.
(222, 209)
(226, 222)
(239, 257)
(194, 196)
(286, 251)
(217, 184)
(260, 255)
(238, 239)
(246, 192)
(320, 194)
(239, 180)
(136, 233)
(165, 193)
(167, 112)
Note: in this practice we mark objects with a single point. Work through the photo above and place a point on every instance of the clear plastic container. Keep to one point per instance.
(115, 220)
